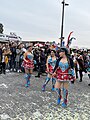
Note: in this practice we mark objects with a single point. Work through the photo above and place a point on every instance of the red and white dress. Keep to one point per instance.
(63, 72)
(28, 61)
(51, 65)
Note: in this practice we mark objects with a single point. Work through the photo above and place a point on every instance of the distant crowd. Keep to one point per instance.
(12, 53)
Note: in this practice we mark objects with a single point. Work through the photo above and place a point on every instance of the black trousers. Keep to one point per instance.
(2, 67)
(81, 75)
(76, 71)
(12, 63)
(41, 68)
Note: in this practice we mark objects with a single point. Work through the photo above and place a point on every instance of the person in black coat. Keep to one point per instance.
(12, 62)
(0, 59)
(81, 68)
(41, 62)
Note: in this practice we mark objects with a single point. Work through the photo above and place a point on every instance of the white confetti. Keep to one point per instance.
(3, 85)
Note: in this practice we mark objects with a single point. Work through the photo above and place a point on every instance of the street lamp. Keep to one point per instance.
(64, 4)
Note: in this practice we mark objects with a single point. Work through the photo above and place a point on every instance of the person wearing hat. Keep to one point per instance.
(64, 72)
(50, 64)
(28, 64)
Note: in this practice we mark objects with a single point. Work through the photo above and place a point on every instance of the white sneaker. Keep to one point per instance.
(11, 70)
(7, 70)
(14, 70)
(18, 71)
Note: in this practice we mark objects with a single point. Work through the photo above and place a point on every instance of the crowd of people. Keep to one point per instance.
(59, 63)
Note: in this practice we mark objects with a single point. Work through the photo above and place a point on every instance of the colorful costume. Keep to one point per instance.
(51, 65)
(28, 63)
(63, 72)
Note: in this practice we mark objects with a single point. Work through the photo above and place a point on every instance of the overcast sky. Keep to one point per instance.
(41, 19)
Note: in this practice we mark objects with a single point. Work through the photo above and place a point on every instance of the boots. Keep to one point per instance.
(27, 77)
(38, 75)
(43, 87)
(53, 84)
(58, 90)
(46, 82)
(65, 94)
(81, 75)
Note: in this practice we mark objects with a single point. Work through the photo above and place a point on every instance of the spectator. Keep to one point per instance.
(0, 59)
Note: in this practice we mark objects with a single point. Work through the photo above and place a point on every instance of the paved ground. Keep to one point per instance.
(20, 103)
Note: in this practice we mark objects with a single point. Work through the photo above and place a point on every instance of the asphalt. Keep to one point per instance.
(20, 103)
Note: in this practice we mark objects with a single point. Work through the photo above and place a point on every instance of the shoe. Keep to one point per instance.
(80, 80)
(64, 105)
(37, 76)
(28, 82)
(7, 70)
(89, 76)
(72, 82)
(11, 70)
(53, 89)
(26, 85)
(58, 101)
(18, 71)
(14, 70)
(43, 88)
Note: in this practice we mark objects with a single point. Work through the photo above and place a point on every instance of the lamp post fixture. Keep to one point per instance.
(64, 4)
